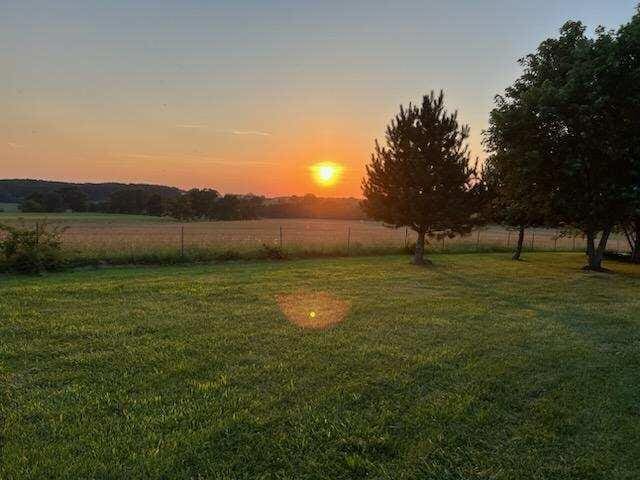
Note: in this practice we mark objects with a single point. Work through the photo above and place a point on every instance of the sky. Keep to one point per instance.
(246, 96)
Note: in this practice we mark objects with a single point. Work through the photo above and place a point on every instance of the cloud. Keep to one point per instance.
(194, 159)
(250, 132)
(258, 133)
(14, 145)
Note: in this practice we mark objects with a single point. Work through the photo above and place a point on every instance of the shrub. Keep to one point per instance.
(228, 255)
(31, 250)
(273, 253)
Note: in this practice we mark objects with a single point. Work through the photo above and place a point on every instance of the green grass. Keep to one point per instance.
(477, 368)
(8, 207)
(70, 218)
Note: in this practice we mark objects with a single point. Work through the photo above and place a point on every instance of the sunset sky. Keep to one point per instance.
(245, 96)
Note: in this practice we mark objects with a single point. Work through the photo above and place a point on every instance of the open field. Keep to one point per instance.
(8, 207)
(119, 239)
(477, 368)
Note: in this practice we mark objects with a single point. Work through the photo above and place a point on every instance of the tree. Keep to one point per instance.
(422, 178)
(180, 208)
(627, 100)
(583, 130)
(155, 205)
(517, 199)
(631, 230)
(203, 202)
(74, 199)
(128, 200)
(33, 203)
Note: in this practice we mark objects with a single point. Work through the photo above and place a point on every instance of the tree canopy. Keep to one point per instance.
(422, 177)
(563, 139)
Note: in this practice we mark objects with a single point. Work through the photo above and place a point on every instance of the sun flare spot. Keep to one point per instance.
(313, 310)
(326, 174)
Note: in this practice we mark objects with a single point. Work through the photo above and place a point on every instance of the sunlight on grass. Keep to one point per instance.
(313, 310)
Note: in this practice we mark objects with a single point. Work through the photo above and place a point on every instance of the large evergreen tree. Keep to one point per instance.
(422, 177)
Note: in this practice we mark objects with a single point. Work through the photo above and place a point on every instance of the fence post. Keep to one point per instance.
(508, 238)
(533, 237)
(348, 239)
(443, 243)
(182, 240)
(406, 233)
(555, 242)
(280, 236)
(574, 243)
(478, 240)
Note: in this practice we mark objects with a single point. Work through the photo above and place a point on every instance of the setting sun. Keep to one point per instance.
(326, 173)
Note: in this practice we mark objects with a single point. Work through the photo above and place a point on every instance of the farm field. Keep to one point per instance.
(8, 207)
(365, 367)
(139, 238)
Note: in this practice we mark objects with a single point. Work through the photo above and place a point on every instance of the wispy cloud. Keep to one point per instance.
(14, 145)
(250, 132)
(194, 126)
(189, 157)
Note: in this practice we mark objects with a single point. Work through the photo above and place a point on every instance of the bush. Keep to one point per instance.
(31, 250)
(273, 253)
(228, 255)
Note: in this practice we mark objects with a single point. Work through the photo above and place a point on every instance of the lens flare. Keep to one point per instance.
(313, 310)
(326, 174)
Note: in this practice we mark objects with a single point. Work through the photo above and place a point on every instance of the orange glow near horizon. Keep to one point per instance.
(326, 174)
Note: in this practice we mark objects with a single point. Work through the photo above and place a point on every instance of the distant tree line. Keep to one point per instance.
(16, 190)
(195, 204)
(60, 200)
(563, 144)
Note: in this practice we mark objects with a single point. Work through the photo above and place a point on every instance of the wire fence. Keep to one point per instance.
(303, 234)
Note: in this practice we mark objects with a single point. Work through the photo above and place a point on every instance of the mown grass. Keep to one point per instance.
(479, 367)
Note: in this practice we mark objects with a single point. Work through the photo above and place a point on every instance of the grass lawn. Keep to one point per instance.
(478, 368)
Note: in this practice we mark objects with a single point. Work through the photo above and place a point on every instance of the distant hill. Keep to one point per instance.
(14, 190)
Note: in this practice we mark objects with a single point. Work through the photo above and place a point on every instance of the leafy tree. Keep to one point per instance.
(180, 208)
(203, 202)
(626, 86)
(128, 200)
(53, 202)
(631, 230)
(33, 203)
(517, 199)
(576, 116)
(422, 178)
(74, 199)
(155, 205)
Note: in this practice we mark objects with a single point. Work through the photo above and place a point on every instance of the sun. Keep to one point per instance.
(326, 173)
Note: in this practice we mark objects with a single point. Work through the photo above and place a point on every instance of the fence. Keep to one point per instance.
(309, 234)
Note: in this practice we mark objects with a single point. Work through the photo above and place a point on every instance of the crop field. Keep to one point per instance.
(368, 367)
(8, 207)
(120, 237)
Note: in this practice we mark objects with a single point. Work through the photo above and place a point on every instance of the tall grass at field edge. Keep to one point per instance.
(197, 255)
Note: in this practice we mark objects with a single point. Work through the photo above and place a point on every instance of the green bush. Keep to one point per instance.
(272, 253)
(31, 250)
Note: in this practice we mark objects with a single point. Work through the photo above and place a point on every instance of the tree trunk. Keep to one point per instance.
(595, 254)
(635, 242)
(518, 250)
(418, 255)
(635, 251)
